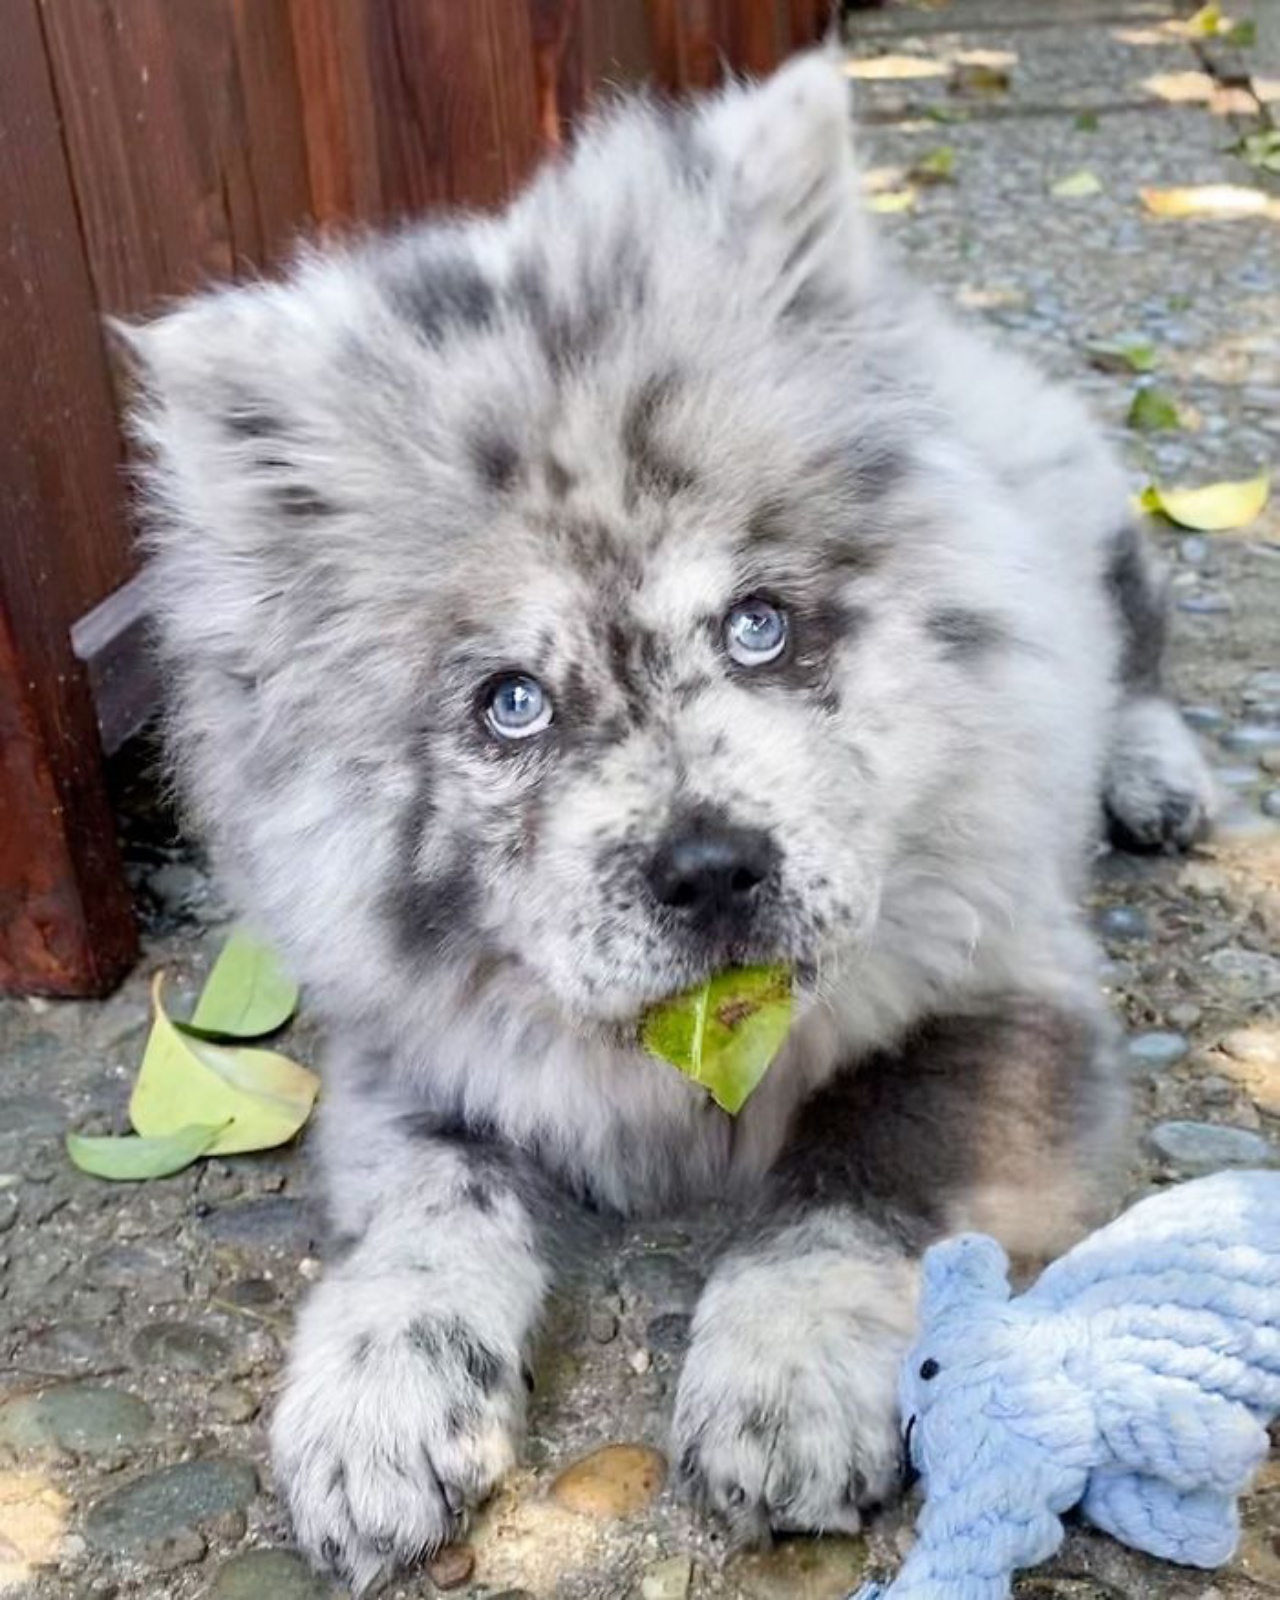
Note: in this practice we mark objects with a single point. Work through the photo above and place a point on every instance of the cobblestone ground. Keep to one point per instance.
(141, 1327)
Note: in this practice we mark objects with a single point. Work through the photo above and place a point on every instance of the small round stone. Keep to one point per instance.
(1260, 686)
(179, 1346)
(1270, 803)
(1207, 1146)
(1158, 1049)
(78, 1417)
(1123, 922)
(452, 1566)
(614, 1482)
(233, 1404)
(268, 1575)
(1194, 550)
(1209, 604)
(1184, 1015)
(1248, 738)
(668, 1333)
(8, 1209)
(1237, 777)
(1204, 716)
(667, 1580)
(602, 1325)
(161, 1504)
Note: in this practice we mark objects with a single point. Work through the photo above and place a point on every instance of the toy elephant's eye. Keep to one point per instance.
(929, 1369)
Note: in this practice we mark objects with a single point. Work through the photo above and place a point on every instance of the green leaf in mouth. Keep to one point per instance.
(725, 1033)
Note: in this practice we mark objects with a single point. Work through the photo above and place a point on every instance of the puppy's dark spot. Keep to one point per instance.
(361, 1350)
(297, 500)
(560, 481)
(496, 460)
(482, 1365)
(442, 297)
(423, 1338)
(652, 465)
(247, 420)
(964, 634)
(478, 1194)
(429, 916)
(1140, 602)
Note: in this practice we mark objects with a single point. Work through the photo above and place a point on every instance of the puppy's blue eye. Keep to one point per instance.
(755, 633)
(517, 707)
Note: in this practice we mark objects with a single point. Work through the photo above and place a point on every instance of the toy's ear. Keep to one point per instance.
(967, 1271)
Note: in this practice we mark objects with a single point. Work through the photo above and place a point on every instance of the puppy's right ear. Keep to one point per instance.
(788, 144)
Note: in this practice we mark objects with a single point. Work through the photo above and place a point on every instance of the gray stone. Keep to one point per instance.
(180, 1346)
(1203, 716)
(1270, 803)
(146, 1272)
(178, 886)
(1123, 923)
(667, 1580)
(602, 1325)
(668, 1334)
(1237, 777)
(268, 1575)
(78, 1417)
(31, 1113)
(1248, 738)
(664, 1280)
(1194, 550)
(1209, 604)
(1185, 1014)
(271, 1222)
(1207, 1146)
(8, 1209)
(1259, 686)
(233, 1404)
(1250, 974)
(1158, 1049)
(165, 1503)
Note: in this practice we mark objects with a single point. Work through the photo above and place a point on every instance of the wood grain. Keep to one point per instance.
(65, 920)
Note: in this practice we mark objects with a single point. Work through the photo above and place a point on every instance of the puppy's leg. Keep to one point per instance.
(1158, 791)
(405, 1390)
(786, 1415)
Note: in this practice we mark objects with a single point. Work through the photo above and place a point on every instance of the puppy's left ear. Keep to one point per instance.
(795, 187)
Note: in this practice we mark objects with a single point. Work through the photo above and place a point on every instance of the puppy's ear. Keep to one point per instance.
(788, 144)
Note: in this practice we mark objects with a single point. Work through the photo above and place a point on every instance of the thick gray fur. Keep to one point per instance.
(679, 371)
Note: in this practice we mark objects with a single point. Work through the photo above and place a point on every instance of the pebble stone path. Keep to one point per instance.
(141, 1327)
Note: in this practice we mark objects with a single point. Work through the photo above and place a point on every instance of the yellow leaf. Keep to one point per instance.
(1215, 508)
(1079, 186)
(879, 69)
(263, 1097)
(891, 200)
(1221, 200)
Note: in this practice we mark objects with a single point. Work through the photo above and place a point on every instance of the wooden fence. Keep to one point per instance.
(145, 147)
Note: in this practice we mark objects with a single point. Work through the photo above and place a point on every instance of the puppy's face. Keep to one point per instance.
(528, 585)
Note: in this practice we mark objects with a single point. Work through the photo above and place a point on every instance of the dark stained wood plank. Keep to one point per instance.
(331, 48)
(454, 98)
(65, 920)
(184, 130)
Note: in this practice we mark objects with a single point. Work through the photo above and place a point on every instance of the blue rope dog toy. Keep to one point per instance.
(1135, 1379)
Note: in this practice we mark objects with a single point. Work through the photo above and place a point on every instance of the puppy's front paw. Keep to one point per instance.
(384, 1436)
(786, 1416)
(1158, 792)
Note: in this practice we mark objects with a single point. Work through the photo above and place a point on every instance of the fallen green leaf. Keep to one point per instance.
(257, 1098)
(1243, 35)
(1261, 150)
(1153, 411)
(1087, 122)
(130, 1159)
(246, 994)
(1120, 355)
(1215, 508)
(1078, 186)
(725, 1034)
(935, 166)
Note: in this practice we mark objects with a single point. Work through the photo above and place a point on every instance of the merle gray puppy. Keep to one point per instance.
(564, 606)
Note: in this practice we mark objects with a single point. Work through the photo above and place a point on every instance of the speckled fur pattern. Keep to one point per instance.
(677, 372)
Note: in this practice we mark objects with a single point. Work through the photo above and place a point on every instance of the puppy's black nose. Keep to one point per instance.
(703, 869)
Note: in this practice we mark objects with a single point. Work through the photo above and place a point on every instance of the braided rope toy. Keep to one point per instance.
(1135, 1379)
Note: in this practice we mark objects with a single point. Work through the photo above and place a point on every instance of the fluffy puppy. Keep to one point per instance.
(564, 606)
